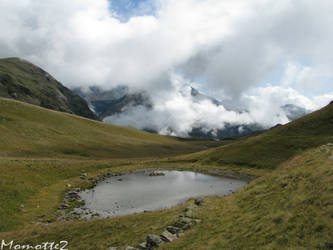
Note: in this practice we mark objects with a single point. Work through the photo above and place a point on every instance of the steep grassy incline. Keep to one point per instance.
(30, 131)
(23, 81)
(273, 147)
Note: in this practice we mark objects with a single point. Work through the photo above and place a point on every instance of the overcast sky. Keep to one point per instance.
(255, 53)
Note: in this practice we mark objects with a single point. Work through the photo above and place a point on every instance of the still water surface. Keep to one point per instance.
(137, 192)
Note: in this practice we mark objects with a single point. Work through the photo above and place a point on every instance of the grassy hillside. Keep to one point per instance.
(30, 131)
(21, 80)
(289, 208)
(273, 147)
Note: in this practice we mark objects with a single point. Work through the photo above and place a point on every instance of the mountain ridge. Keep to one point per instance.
(120, 101)
(271, 148)
(21, 80)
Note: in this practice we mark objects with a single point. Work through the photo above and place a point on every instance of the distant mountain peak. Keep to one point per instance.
(122, 103)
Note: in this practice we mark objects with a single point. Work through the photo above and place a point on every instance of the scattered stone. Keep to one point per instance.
(168, 237)
(131, 248)
(153, 240)
(83, 176)
(182, 225)
(73, 193)
(142, 246)
(112, 248)
(189, 214)
(180, 234)
(184, 219)
(191, 207)
(64, 205)
(95, 215)
(22, 205)
(68, 185)
(198, 201)
(174, 230)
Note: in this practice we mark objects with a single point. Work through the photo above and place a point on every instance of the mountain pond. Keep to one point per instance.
(151, 190)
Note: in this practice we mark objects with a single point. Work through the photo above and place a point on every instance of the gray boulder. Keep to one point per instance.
(142, 246)
(174, 230)
(131, 248)
(168, 237)
(198, 201)
(153, 240)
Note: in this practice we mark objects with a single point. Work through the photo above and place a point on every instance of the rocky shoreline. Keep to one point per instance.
(173, 231)
(72, 206)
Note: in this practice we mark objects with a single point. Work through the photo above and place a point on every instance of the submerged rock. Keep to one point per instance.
(156, 174)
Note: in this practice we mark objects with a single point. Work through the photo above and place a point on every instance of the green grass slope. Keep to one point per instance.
(275, 146)
(23, 81)
(289, 208)
(30, 131)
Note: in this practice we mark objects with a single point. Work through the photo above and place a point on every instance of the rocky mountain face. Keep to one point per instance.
(294, 112)
(114, 101)
(23, 81)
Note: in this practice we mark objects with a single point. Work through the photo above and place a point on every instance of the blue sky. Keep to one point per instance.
(125, 9)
